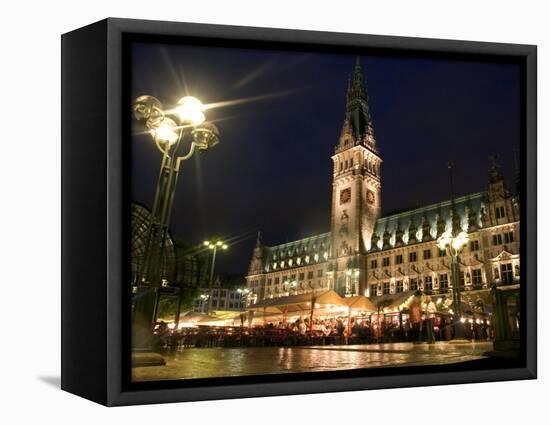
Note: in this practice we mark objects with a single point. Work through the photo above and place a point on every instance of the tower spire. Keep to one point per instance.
(259, 239)
(358, 75)
(357, 108)
(495, 175)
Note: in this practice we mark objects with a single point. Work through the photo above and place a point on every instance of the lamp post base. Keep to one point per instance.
(460, 341)
(142, 358)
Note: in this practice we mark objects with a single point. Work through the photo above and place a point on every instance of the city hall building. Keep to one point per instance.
(367, 254)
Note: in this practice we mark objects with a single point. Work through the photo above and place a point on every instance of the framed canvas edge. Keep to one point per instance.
(116, 28)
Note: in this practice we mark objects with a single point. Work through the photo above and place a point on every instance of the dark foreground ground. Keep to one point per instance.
(221, 362)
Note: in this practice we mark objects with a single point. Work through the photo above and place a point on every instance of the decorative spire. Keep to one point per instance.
(495, 174)
(412, 231)
(455, 218)
(517, 172)
(357, 75)
(357, 109)
(259, 240)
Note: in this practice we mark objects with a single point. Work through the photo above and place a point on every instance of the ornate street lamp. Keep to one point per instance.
(244, 292)
(352, 282)
(213, 246)
(452, 242)
(204, 299)
(291, 285)
(177, 134)
(244, 295)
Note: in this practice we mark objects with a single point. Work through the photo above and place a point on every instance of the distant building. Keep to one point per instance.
(226, 294)
(366, 254)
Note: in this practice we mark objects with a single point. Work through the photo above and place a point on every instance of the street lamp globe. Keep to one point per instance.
(444, 240)
(206, 136)
(189, 111)
(148, 109)
(460, 241)
(165, 131)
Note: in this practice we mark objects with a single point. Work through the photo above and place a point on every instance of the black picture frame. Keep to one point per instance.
(95, 346)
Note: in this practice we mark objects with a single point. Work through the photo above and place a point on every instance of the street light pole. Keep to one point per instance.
(169, 138)
(214, 247)
(453, 242)
(244, 301)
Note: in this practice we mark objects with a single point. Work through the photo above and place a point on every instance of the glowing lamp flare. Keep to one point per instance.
(165, 131)
(460, 241)
(190, 110)
(457, 243)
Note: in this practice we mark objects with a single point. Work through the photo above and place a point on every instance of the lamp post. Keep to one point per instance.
(243, 292)
(244, 295)
(177, 133)
(204, 299)
(312, 286)
(452, 242)
(352, 287)
(291, 285)
(213, 246)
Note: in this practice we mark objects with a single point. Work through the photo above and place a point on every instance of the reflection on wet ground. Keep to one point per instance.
(218, 362)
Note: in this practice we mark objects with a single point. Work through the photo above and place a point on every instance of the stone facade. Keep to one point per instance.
(366, 254)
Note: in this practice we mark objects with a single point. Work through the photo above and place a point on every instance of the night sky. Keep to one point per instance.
(272, 169)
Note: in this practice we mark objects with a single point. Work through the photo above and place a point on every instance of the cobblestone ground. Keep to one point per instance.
(217, 362)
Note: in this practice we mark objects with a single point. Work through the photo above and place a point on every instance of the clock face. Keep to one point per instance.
(370, 197)
(345, 196)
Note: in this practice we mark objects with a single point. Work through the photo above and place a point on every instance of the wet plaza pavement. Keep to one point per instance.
(219, 362)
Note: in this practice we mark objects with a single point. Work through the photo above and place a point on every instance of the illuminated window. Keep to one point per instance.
(476, 276)
(509, 237)
(428, 284)
(506, 273)
(373, 290)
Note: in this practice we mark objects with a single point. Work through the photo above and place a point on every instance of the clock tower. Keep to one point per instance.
(355, 190)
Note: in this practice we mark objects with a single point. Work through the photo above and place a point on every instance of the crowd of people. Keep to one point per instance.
(420, 323)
